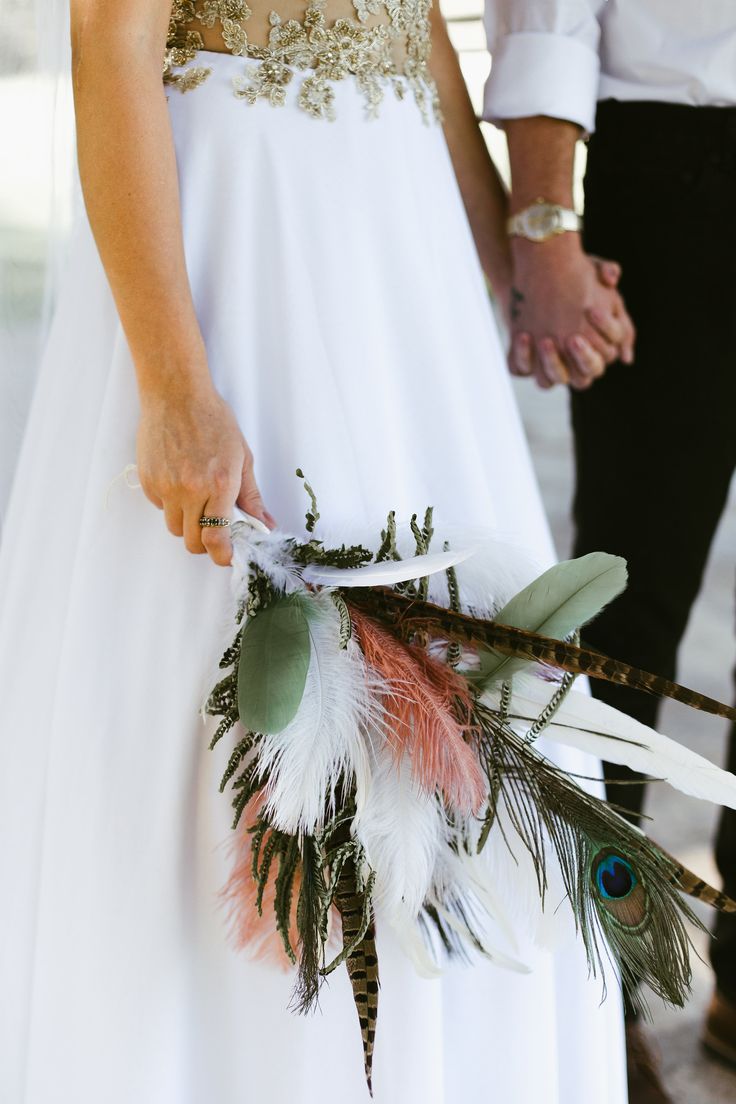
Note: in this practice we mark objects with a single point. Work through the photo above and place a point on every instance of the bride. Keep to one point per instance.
(276, 268)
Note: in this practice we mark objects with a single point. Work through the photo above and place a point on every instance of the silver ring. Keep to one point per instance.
(213, 522)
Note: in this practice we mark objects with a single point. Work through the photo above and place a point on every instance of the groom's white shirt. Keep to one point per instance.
(558, 57)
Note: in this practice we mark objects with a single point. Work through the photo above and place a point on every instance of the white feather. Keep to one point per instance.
(592, 726)
(387, 572)
(406, 840)
(459, 877)
(500, 958)
(505, 880)
(327, 737)
(489, 578)
(414, 942)
(500, 883)
(489, 570)
(248, 519)
(401, 828)
(270, 552)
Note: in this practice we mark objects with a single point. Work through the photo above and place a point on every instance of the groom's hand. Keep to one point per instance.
(568, 321)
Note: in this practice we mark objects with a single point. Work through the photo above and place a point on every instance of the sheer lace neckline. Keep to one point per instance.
(385, 44)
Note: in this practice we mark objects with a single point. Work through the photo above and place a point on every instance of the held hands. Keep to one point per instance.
(567, 319)
(192, 462)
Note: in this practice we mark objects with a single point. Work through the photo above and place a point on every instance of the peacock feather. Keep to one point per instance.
(622, 888)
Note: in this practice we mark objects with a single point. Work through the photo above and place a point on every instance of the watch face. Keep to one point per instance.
(542, 221)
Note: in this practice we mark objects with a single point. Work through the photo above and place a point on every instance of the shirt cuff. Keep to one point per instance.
(542, 74)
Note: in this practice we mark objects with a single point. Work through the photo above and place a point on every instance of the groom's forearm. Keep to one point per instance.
(560, 296)
(542, 157)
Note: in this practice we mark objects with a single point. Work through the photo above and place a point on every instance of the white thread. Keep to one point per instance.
(124, 474)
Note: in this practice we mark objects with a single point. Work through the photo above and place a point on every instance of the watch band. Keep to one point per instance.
(543, 220)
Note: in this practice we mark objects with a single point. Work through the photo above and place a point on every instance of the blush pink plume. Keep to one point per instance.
(426, 703)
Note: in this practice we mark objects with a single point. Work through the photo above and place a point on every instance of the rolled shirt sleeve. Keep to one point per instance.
(545, 59)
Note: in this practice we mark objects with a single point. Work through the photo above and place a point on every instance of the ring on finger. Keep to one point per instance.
(213, 522)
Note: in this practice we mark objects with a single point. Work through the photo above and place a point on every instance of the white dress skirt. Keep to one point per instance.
(348, 325)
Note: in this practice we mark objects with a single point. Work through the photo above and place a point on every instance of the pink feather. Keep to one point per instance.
(428, 707)
(256, 934)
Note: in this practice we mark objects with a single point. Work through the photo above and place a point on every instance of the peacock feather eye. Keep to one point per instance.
(618, 889)
(615, 876)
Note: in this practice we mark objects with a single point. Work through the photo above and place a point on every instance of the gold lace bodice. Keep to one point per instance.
(384, 44)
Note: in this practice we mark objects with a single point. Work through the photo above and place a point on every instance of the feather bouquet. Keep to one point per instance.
(387, 705)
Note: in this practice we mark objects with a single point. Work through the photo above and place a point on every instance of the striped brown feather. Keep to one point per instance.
(362, 963)
(411, 615)
(694, 886)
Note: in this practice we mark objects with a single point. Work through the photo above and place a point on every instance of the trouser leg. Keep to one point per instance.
(723, 945)
(656, 442)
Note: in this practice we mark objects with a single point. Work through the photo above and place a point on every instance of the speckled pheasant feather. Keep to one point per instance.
(409, 615)
(362, 961)
(693, 886)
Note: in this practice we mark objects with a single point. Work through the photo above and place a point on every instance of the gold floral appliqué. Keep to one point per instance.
(327, 54)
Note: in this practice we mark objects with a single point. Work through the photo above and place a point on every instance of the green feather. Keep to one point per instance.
(556, 604)
(273, 664)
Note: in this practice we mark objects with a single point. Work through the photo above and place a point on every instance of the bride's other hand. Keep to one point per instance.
(194, 462)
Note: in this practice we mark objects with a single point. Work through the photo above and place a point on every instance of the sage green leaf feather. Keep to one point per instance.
(557, 603)
(273, 665)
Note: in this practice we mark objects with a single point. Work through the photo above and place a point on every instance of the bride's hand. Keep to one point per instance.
(193, 461)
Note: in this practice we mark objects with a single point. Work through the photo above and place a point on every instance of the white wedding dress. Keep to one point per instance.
(348, 325)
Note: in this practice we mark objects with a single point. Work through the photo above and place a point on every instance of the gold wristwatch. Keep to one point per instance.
(542, 221)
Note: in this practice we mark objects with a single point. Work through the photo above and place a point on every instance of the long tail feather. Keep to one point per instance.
(362, 962)
(695, 887)
(594, 727)
(412, 615)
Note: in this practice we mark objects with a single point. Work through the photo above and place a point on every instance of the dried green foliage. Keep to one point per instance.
(312, 516)
(387, 549)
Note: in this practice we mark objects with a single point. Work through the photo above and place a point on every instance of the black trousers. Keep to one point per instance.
(656, 441)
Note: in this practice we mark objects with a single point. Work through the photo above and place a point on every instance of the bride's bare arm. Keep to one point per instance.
(192, 458)
(482, 190)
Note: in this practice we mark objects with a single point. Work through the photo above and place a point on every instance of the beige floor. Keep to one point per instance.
(683, 825)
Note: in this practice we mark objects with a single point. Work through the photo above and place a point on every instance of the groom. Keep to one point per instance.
(654, 84)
